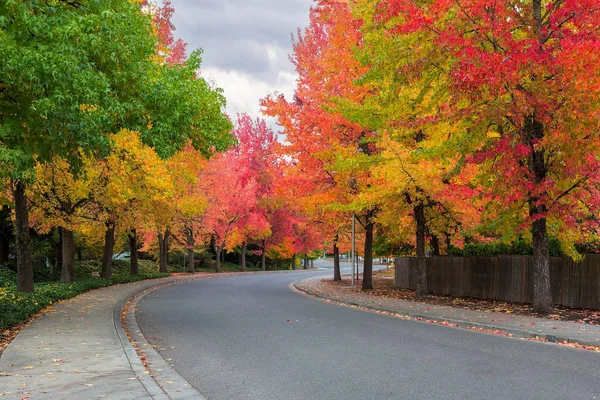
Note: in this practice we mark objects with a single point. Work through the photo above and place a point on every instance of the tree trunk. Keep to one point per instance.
(58, 249)
(4, 246)
(542, 294)
(435, 245)
(367, 283)
(243, 263)
(109, 247)
(163, 257)
(337, 276)
(306, 261)
(263, 257)
(419, 211)
(5, 234)
(24, 267)
(68, 257)
(133, 259)
(191, 268)
(218, 250)
(448, 243)
(294, 262)
(190, 242)
(534, 131)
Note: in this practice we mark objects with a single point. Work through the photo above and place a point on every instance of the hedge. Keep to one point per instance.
(18, 307)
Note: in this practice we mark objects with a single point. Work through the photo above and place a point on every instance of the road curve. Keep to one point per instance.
(250, 337)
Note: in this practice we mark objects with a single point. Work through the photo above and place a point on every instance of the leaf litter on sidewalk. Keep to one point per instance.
(383, 288)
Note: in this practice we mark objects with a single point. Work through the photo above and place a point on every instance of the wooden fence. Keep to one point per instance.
(505, 278)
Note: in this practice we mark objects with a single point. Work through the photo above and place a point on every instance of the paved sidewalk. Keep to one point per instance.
(77, 351)
(513, 325)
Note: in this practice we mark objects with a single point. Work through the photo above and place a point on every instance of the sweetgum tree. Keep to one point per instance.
(64, 67)
(331, 155)
(72, 73)
(521, 81)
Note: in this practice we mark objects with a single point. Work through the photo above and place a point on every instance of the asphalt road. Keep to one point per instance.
(231, 339)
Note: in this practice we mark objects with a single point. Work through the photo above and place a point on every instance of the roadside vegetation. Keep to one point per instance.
(434, 129)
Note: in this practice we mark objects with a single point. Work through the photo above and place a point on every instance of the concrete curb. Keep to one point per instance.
(455, 323)
(136, 364)
(163, 376)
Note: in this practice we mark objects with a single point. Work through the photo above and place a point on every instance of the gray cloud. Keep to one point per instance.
(246, 46)
(239, 34)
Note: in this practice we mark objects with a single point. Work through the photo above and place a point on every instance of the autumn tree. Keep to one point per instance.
(53, 65)
(169, 49)
(258, 160)
(67, 85)
(188, 203)
(232, 203)
(334, 152)
(134, 180)
(520, 79)
(59, 198)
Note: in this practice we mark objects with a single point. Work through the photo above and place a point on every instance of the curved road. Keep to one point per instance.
(231, 339)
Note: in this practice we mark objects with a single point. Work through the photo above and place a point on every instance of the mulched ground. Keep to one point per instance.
(383, 287)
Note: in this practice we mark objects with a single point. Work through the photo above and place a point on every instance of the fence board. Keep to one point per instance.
(505, 278)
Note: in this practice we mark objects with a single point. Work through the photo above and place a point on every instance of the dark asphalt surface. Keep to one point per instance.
(231, 339)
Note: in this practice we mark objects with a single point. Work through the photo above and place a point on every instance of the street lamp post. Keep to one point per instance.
(353, 246)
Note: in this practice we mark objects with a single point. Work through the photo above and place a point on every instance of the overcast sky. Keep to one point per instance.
(246, 45)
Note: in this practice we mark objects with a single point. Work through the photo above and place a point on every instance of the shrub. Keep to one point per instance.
(518, 247)
(122, 267)
(209, 264)
(18, 307)
(84, 269)
(8, 277)
(45, 274)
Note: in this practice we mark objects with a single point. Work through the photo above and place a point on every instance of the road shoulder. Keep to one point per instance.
(575, 334)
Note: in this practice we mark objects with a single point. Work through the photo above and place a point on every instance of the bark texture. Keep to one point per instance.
(109, 247)
(337, 276)
(218, 250)
(422, 289)
(191, 268)
(133, 258)
(5, 234)
(243, 259)
(24, 267)
(58, 249)
(263, 256)
(534, 131)
(67, 274)
(163, 256)
(435, 245)
(369, 226)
